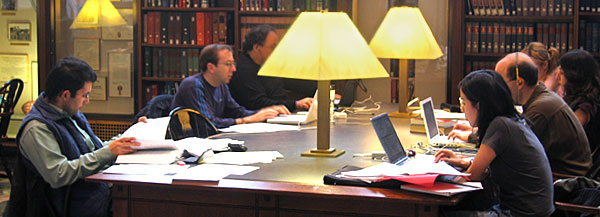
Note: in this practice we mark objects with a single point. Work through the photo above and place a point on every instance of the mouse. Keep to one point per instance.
(237, 147)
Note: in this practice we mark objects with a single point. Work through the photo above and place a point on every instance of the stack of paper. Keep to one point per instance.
(212, 172)
(151, 135)
(242, 158)
(146, 169)
(153, 156)
(259, 128)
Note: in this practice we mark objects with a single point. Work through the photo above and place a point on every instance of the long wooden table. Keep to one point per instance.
(292, 186)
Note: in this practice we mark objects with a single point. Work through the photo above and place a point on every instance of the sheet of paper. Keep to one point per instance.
(212, 172)
(242, 158)
(259, 128)
(146, 169)
(196, 144)
(160, 156)
(151, 135)
(421, 165)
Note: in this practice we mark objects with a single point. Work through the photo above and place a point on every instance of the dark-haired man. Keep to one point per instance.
(552, 121)
(253, 91)
(57, 149)
(207, 91)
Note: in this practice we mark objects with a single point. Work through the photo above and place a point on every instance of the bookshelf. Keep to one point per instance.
(169, 55)
(480, 37)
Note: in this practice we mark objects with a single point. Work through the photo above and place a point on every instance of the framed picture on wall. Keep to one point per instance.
(8, 5)
(19, 31)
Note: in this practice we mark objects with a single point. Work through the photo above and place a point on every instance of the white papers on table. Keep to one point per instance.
(259, 128)
(441, 114)
(151, 135)
(153, 156)
(420, 165)
(146, 169)
(212, 172)
(199, 145)
(241, 158)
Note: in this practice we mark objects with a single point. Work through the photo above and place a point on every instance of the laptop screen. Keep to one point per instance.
(388, 138)
(428, 115)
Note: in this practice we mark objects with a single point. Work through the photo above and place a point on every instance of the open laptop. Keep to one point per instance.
(389, 139)
(298, 118)
(431, 127)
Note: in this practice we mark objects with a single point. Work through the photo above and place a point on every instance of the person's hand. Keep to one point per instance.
(261, 115)
(304, 103)
(143, 119)
(459, 134)
(450, 158)
(280, 109)
(123, 146)
(462, 127)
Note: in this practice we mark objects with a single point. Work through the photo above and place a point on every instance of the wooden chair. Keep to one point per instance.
(189, 123)
(10, 94)
(568, 209)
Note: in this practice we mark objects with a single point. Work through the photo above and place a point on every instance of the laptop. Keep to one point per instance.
(298, 118)
(431, 127)
(389, 139)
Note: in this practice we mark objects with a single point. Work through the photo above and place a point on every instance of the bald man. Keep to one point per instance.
(551, 119)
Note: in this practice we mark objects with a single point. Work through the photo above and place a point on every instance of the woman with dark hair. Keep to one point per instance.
(580, 77)
(509, 150)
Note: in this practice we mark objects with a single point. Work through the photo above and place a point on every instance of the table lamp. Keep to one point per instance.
(323, 46)
(97, 13)
(404, 34)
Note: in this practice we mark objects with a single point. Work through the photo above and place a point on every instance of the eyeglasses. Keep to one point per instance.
(462, 103)
(228, 64)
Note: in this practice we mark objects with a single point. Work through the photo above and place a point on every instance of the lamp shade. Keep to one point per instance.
(404, 34)
(97, 13)
(323, 46)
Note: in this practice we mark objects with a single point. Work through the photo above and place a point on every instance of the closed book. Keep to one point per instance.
(147, 62)
(171, 29)
(215, 27)
(502, 38)
(545, 33)
(483, 38)
(157, 27)
(520, 36)
(543, 7)
(476, 33)
(183, 66)
(500, 7)
(530, 34)
(442, 188)
(200, 32)
(551, 7)
(178, 29)
(570, 45)
(185, 28)
(519, 7)
(469, 35)
(208, 28)
(469, 8)
(496, 38)
(222, 27)
(490, 37)
(145, 30)
(563, 37)
(193, 26)
(164, 24)
(475, 6)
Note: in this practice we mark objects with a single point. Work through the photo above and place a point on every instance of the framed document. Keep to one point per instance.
(14, 66)
(87, 50)
(19, 31)
(99, 89)
(119, 74)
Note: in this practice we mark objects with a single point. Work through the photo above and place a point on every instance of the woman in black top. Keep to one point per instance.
(509, 150)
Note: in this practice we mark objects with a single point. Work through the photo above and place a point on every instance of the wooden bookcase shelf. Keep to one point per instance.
(461, 24)
(236, 22)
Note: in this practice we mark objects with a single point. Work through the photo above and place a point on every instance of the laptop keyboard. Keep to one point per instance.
(449, 145)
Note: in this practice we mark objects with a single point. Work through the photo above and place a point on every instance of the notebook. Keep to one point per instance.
(389, 139)
(431, 127)
(298, 118)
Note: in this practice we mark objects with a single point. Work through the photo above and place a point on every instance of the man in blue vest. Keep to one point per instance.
(57, 150)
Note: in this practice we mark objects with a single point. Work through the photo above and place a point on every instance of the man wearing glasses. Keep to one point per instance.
(207, 92)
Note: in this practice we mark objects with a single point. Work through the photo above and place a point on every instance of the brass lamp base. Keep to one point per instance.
(402, 115)
(331, 152)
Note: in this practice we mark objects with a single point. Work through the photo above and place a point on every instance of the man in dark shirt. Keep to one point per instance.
(207, 91)
(552, 121)
(252, 91)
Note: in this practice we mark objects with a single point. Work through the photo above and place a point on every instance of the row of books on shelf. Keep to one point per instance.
(153, 90)
(520, 7)
(182, 3)
(171, 62)
(511, 37)
(589, 5)
(281, 24)
(180, 28)
(287, 5)
(478, 65)
(589, 36)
